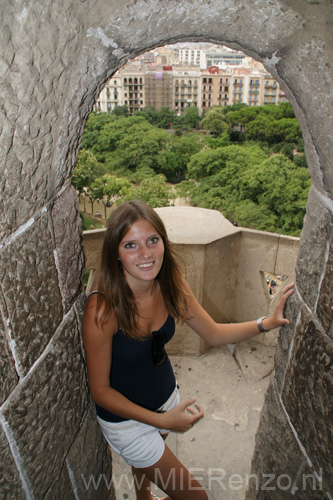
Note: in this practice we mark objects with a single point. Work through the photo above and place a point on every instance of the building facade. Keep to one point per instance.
(173, 78)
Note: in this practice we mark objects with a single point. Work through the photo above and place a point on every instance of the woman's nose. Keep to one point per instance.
(145, 252)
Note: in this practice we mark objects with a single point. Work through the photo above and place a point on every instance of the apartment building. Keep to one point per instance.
(272, 93)
(111, 96)
(215, 86)
(190, 54)
(159, 87)
(144, 82)
(186, 89)
(255, 88)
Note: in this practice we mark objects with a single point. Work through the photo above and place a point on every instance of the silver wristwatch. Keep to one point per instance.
(260, 325)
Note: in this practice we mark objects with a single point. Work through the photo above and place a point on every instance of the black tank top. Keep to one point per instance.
(134, 375)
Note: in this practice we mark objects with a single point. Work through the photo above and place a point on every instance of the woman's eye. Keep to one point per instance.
(129, 245)
(154, 240)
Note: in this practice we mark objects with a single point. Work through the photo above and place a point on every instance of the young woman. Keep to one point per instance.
(126, 324)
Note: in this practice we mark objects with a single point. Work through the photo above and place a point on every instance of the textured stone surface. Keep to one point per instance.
(316, 234)
(68, 238)
(89, 461)
(325, 299)
(307, 394)
(31, 292)
(268, 463)
(8, 375)
(10, 483)
(61, 488)
(54, 58)
(34, 62)
(46, 409)
(310, 485)
(285, 339)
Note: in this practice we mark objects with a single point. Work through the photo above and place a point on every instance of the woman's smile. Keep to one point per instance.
(141, 252)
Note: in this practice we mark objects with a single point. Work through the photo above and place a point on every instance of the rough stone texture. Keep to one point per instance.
(317, 235)
(54, 59)
(273, 436)
(32, 301)
(61, 487)
(325, 299)
(50, 409)
(309, 481)
(307, 394)
(8, 375)
(90, 458)
(68, 239)
(10, 483)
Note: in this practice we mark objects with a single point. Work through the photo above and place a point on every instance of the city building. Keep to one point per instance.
(181, 76)
(186, 85)
(215, 86)
(159, 87)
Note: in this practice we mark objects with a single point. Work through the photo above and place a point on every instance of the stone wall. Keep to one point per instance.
(54, 59)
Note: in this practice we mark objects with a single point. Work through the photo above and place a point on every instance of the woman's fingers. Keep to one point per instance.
(184, 416)
(278, 316)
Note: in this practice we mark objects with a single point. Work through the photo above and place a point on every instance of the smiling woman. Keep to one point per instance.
(126, 324)
(141, 253)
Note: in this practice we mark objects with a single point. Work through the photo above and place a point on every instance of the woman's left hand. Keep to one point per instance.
(278, 319)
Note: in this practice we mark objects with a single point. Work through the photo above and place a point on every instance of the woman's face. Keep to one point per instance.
(141, 252)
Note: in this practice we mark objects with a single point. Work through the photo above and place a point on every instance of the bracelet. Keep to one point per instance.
(260, 325)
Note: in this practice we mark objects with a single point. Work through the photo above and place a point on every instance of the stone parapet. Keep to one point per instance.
(225, 266)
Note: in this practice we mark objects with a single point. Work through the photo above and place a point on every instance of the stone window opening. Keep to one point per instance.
(57, 84)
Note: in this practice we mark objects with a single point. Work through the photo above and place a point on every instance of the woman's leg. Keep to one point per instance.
(141, 485)
(170, 475)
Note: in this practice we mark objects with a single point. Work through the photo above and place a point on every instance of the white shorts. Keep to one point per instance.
(139, 444)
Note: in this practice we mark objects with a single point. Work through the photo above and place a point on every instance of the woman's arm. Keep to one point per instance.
(98, 349)
(217, 334)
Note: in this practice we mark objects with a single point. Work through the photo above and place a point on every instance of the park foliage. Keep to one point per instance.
(247, 162)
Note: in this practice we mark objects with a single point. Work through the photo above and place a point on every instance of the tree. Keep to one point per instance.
(139, 147)
(85, 171)
(255, 190)
(153, 191)
(191, 118)
(120, 110)
(109, 189)
(174, 158)
(215, 120)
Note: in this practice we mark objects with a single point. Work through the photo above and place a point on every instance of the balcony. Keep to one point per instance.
(226, 266)
(226, 269)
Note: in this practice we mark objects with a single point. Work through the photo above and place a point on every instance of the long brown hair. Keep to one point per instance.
(115, 293)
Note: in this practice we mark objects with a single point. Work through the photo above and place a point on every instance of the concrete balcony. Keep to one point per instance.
(226, 267)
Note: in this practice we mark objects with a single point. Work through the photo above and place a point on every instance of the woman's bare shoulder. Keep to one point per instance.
(91, 327)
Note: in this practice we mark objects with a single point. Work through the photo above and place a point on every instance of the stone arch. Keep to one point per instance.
(55, 58)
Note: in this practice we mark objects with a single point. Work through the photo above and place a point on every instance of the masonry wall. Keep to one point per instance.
(54, 59)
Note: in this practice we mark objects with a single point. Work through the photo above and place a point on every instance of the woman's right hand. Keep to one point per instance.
(182, 417)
